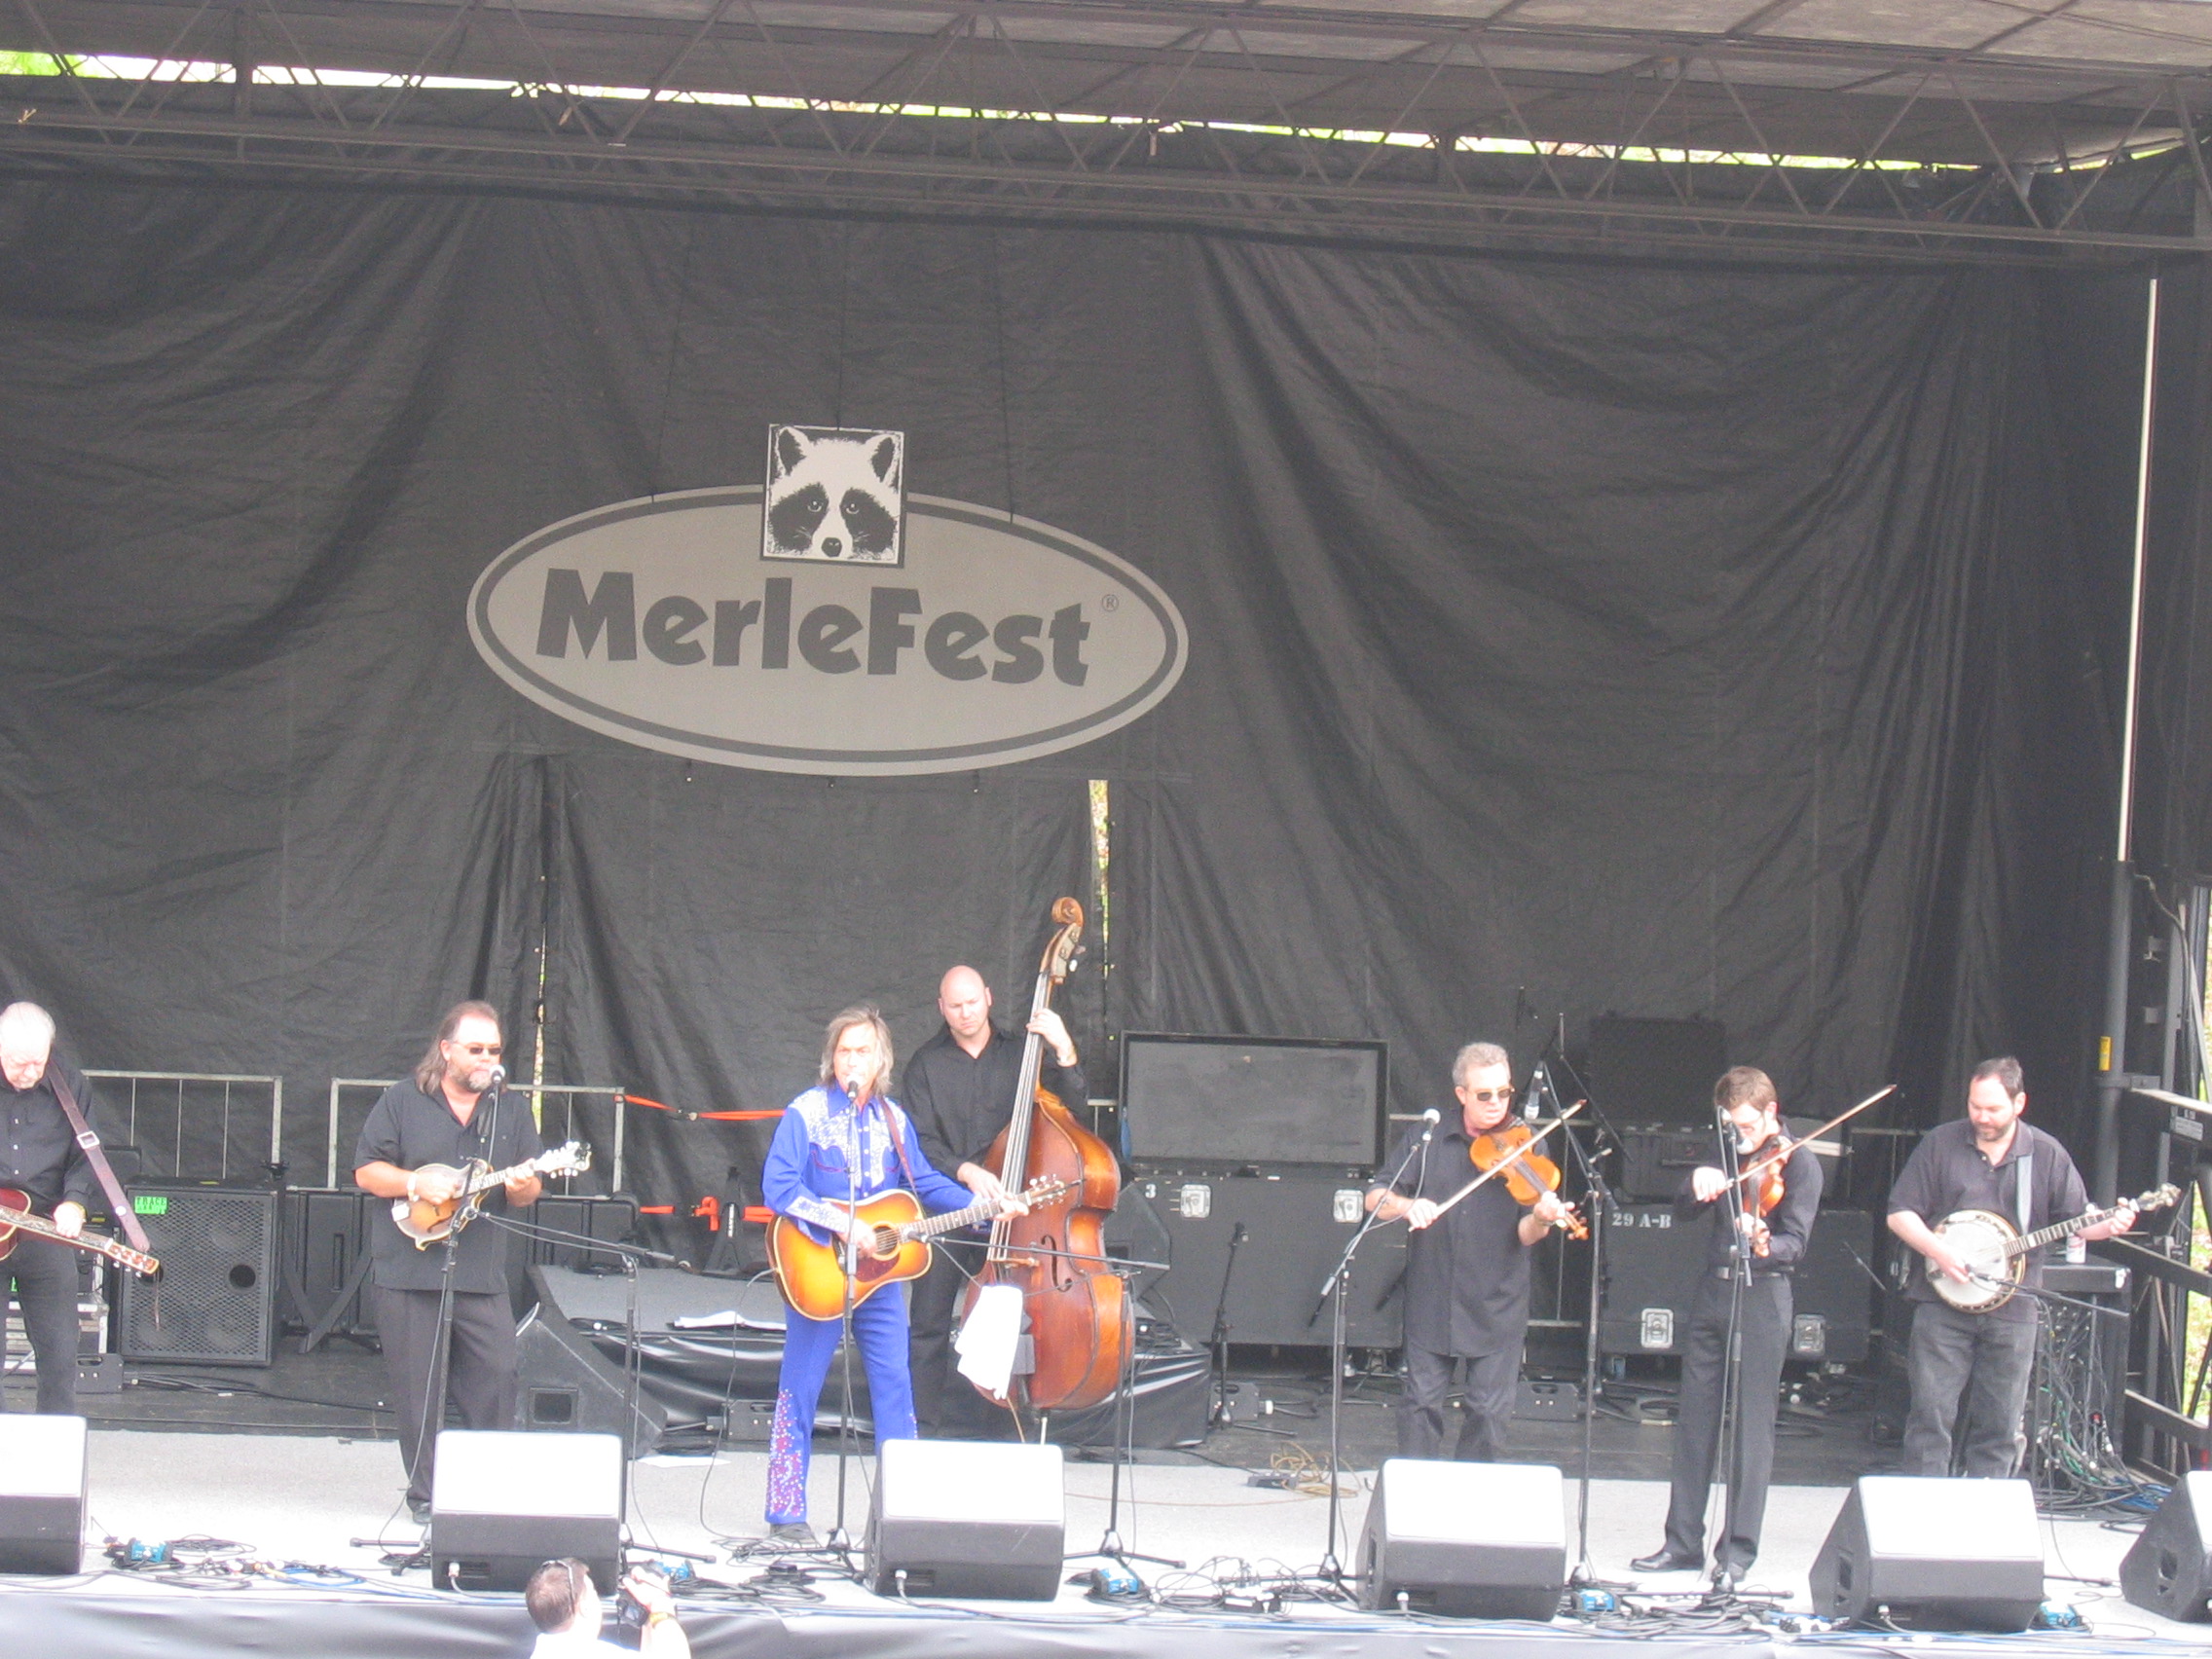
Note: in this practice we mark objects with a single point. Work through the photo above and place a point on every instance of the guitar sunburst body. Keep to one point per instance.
(16, 1218)
(813, 1274)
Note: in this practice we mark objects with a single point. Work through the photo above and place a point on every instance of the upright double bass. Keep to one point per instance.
(1073, 1301)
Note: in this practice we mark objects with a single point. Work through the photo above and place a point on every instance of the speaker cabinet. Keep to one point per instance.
(1652, 1269)
(1294, 1227)
(1478, 1540)
(564, 1385)
(215, 1300)
(501, 1503)
(42, 1492)
(321, 1235)
(2169, 1569)
(1933, 1554)
(967, 1519)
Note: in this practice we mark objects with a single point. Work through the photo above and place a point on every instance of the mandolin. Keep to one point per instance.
(15, 1217)
(894, 1245)
(428, 1223)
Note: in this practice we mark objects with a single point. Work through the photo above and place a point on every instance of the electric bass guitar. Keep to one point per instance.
(1995, 1252)
(15, 1218)
(893, 1244)
(428, 1223)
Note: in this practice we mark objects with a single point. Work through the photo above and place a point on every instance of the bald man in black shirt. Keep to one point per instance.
(959, 1089)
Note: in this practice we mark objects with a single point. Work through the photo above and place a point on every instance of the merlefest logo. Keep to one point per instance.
(827, 622)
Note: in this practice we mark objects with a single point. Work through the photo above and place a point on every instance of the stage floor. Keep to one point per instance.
(305, 1499)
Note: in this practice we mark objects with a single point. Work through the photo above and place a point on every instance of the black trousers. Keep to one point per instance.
(1981, 1361)
(1491, 1391)
(44, 1275)
(947, 1405)
(480, 1381)
(1763, 1330)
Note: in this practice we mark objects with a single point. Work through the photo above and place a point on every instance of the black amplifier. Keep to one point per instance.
(1654, 1160)
(1652, 1269)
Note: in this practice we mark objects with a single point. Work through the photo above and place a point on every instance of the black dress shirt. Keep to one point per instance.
(958, 1103)
(39, 1152)
(1466, 1285)
(410, 1129)
(1790, 1224)
(1948, 1171)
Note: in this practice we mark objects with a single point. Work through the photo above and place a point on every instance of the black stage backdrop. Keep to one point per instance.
(1666, 638)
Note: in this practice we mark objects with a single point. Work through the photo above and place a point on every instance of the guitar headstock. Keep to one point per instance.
(573, 1159)
(2160, 1199)
(1066, 942)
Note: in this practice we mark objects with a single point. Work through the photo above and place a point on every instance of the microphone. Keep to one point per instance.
(1432, 1116)
(498, 1077)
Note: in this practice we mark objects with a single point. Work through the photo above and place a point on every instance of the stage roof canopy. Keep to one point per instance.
(1922, 125)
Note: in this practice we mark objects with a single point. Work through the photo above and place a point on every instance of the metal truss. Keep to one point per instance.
(1419, 128)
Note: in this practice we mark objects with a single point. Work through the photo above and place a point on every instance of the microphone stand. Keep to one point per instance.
(1730, 1441)
(1219, 1340)
(1336, 1286)
(1599, 1207)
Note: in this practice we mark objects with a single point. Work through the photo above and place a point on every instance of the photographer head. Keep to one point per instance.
(565, 1605)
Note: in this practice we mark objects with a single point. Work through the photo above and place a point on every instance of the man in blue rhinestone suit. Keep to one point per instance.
(838, 1145)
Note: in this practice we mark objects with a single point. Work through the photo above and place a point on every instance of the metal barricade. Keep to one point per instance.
(567, 1095)
(145, 1097)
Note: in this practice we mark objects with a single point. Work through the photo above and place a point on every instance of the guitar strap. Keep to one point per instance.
(118, 1205)
(2023, 1190)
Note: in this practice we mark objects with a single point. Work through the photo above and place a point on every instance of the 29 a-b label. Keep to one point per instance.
(998, 640)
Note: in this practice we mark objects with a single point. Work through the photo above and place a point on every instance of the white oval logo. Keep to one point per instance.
(658, 622)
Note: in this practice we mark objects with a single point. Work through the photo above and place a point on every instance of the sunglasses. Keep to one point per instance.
(491, 1049)
(1485, 1096)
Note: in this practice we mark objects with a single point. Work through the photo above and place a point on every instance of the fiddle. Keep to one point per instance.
(1528, 1175)
(1507, 1165)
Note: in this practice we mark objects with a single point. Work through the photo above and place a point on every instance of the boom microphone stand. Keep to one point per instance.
(1219, 1340)
(1338, 1285)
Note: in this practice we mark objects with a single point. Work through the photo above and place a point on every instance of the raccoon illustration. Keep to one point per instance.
(834, 494)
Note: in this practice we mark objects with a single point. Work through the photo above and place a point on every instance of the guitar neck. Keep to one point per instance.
(491, 1178)
(25, 1221)
(951, 1221)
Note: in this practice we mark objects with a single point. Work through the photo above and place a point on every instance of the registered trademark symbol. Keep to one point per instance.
(1112, 602)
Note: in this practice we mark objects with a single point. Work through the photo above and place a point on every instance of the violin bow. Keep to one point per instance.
(1772, 1159)
(1505, 1164)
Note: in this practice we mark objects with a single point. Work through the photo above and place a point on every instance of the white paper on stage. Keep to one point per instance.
(989, 1337)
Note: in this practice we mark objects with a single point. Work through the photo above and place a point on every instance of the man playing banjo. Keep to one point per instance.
(1990, 1161)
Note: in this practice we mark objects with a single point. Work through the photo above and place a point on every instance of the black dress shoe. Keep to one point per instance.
(1664, 1560)
(418, 1508)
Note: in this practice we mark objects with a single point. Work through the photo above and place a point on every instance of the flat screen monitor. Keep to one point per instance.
(1232, 1101)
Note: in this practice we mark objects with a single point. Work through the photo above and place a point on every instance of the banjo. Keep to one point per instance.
(1995, 1252)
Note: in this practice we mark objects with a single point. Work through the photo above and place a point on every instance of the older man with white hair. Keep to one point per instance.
(41, 1158)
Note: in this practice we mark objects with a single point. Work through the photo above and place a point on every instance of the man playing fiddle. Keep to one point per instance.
(1772, 1243)
(1466, 1286)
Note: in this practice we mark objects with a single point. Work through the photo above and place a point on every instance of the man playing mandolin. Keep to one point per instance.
(40, 1157)
(838, 1145)
(1989, 1161)
(960, 1088)
(1467, 1287)
(419, 1135)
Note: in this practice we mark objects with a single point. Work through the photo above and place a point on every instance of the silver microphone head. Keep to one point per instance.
(499, 1076)
(1432, 1116)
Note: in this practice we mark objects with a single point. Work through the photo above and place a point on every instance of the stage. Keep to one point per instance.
(299, 1501)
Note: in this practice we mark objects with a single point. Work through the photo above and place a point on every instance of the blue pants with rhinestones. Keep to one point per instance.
(879, 1330)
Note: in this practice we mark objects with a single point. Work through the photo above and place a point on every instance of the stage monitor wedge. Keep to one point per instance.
(42, 1492)
(1473, 1540)
(2169, 1567)
(1928, 1553)
(969, 1519)
(500, 1503)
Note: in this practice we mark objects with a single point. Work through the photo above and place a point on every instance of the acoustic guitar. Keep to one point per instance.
(15, 1218)
(894, 1245)
(428, 1223)
(1995, 1252)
